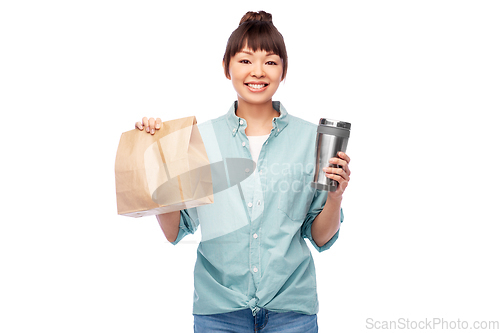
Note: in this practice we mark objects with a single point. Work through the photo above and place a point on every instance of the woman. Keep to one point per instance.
(254, 272)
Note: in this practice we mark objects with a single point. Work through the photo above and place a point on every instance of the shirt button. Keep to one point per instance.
(247, 170)
(278, 129)
(249, 204)
(234, 130)
(243, 144)
(241, 122)
(255, 235)
(255, 269)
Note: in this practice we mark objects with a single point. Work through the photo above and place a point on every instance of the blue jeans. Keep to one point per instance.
(265, 321)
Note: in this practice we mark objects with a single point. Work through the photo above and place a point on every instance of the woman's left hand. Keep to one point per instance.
(341, 174)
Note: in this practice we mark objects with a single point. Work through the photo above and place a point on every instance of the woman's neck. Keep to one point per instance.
(259, 117)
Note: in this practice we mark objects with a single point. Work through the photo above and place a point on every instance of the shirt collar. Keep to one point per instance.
(235, 122)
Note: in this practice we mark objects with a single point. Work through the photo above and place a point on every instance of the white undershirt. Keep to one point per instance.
(255, 143)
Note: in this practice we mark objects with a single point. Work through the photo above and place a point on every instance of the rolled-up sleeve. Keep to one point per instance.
(317, 204)
(187, 225)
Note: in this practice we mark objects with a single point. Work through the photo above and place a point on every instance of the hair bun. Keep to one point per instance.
(257, 16)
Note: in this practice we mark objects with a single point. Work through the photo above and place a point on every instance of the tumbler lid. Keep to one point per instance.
(334, 123)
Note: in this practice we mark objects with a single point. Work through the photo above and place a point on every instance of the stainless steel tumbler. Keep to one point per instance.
(331, 137)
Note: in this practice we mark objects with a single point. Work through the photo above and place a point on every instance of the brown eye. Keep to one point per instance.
(244, 61)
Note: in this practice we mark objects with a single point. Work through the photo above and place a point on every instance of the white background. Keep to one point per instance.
(418, 80)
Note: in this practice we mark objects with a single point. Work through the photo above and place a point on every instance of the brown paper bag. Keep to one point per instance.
(164, 172)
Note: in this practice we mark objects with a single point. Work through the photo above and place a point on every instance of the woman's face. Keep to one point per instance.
(256, 75)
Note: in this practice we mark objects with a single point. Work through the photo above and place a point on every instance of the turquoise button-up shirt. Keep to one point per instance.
(252, 252)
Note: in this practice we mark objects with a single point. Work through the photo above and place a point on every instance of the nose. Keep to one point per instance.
(258, 71)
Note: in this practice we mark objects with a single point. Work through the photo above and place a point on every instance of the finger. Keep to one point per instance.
(344, 156)
(151, 125)
(348, 160)
(342, 183)
(145, 123)
(342, 159)
(139, 126)
(347, 170)
(336, 171)
(158, 123)
(338, 161)
(336, 177)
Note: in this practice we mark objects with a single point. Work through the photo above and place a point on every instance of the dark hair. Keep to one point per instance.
(257, 32)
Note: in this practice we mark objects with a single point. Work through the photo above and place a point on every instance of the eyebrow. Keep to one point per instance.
(251, 53)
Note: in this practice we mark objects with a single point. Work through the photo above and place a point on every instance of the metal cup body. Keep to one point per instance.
(332, 136)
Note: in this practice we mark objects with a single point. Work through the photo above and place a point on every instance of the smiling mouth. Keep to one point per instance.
(256, 86)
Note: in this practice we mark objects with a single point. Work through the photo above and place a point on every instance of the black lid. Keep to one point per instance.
(334, 123)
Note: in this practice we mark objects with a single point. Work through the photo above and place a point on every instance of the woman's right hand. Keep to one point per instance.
(150, 124)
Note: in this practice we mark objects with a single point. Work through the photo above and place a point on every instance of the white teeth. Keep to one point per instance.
(256, 86)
